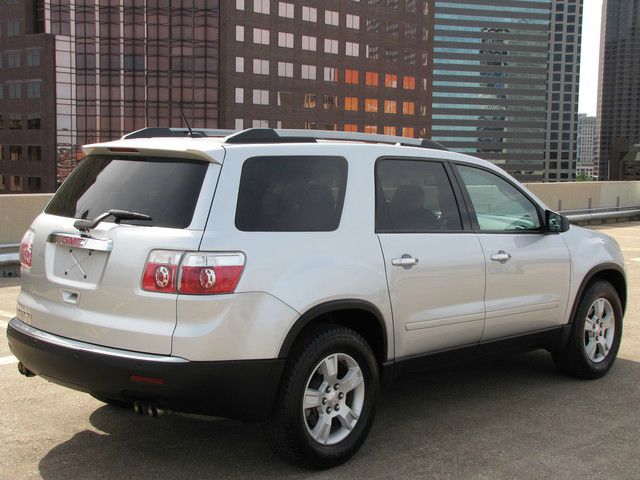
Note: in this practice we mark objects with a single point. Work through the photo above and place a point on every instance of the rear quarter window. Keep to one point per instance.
(291, 194)
(166, 189)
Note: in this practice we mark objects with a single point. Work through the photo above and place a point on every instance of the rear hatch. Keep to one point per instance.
(87, 285)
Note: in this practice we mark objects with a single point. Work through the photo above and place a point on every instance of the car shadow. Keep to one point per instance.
(500, 418)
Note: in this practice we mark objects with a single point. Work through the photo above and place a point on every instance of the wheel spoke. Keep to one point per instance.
(329, 368)
(312, 398)
(348, 418)
(604, 348)
(600, 307)
(351, 380)
(589, 324)
(591, 348)
(607, 321)
(322, 429)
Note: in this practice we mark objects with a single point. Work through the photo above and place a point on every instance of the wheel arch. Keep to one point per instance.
(358, 315)
(610, 272)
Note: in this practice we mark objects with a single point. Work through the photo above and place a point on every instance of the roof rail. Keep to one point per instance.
(271, 135)
(155, 132)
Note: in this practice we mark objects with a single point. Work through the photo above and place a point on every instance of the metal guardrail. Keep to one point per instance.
(604, 213)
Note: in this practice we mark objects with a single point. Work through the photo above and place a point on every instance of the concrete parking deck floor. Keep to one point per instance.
(505, 418)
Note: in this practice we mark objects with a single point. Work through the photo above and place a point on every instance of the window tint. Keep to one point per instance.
(165, 189)
(414, 196)
(291, 194)
(498, 205)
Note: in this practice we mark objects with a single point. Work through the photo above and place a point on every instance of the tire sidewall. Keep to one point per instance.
(356, 348)
(595, 291)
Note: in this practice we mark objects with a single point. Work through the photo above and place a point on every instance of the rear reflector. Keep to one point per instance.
(150, 380)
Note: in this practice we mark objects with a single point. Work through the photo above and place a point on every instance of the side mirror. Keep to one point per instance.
(556, 223)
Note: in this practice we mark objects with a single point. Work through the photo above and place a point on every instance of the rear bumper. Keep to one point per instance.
(242, 389)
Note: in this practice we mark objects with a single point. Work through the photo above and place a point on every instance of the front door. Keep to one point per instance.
(435, 268)
(528, 270)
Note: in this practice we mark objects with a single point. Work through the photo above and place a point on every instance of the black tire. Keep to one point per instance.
(574, 360)
(112, 402)
(287, 428)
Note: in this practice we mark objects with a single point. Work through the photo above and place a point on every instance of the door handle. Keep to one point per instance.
(405, 261)
(501, 256)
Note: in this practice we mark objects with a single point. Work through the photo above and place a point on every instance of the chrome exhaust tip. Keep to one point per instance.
(151, 409)
(24, 370)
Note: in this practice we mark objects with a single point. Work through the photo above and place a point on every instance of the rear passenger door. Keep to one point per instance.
(434, 262)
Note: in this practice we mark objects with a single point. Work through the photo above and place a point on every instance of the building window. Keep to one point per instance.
(34, 183)
(352, 49)
(309, 100)
(331, 18)
(239, 95)
(239, 4)
(373, 25)
(329, 102)
(261, 36)
(285, 69)
(390, 80)
(309, 72)
(260, 124)
(33, 57)
(285, 99)
(260, 67)
(330, 74)
(372, 52)
(371, 79)
(285, 40)
(13, 28)
(261, 6)
(239, 33)
(33, 89)
(239, 124)
(285, 9)
(34, 153)
(261, 97)
(15, 183)
(353, 21)
(350, 127)
(15, 152)
(351, 104)
(15, 89)
(391, 55)
(390, 106)
(408, 108)
(371, 105)
(308, 43)
(13, 59)
(239, 64)
(409, 83)
(33, 121)
(15, 122)
(309, 14)
(351, 76)
(389, 130)
(392, 28)
(370, 129)
(330, 46)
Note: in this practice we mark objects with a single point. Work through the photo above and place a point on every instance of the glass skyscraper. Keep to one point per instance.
(505, 83)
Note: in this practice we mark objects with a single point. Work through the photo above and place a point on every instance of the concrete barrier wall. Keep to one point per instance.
(18, 211)
(576, 195)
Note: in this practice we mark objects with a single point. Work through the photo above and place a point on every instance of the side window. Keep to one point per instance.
(498, 205)
(291, 194)
(414, 196)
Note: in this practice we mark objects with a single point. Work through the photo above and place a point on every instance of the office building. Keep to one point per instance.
(587, 158)
(619, 87)
(505, 83)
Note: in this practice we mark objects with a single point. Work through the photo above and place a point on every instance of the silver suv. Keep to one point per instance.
(284, 276)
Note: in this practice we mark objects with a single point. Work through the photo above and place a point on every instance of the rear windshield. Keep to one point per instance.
(293, 194)
(165, 189)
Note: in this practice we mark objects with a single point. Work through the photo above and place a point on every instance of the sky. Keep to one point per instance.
(589, 56)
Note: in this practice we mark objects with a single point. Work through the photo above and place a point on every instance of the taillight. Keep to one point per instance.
(195, 273)
(26, 248)
(161, 271)
(207, 273)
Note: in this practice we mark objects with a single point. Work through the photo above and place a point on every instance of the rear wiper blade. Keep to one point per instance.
(84, 225)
